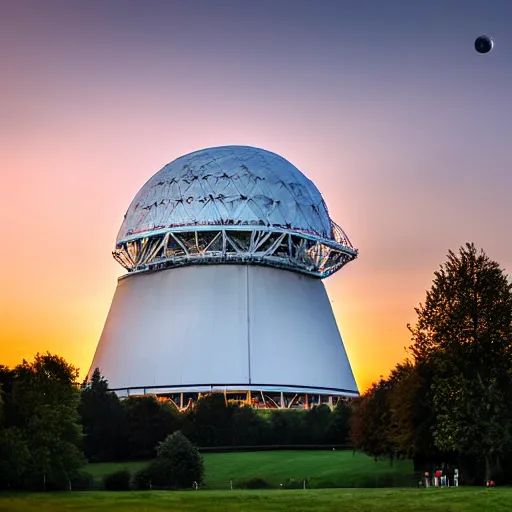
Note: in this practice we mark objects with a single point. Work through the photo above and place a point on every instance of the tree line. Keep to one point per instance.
(122, 429)
(50, 427)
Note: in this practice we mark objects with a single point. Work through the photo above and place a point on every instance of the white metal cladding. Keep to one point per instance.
(236, 204)
(226, 326)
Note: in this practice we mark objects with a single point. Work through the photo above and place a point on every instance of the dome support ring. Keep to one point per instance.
(279, 248)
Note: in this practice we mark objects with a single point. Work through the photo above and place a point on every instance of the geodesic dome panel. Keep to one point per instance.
(229, 185)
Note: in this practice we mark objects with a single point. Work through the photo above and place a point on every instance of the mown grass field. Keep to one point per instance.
(322, 469)
(327, 500)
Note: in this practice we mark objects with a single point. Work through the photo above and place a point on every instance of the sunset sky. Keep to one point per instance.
(385, 105)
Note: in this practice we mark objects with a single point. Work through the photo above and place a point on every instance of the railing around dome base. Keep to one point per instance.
(184, 399)
(285, 249)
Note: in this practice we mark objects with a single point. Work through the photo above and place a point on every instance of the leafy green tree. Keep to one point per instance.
(117, 481)
(42, 422)
(178, 465)
(288, 427)
(104, 421)
(6, 383)
(247, 427)
(413, 415)
(209, 422)
(14, 458)
(317, 421)
(338, 430)
(149, 422)
(464, 332)
(371, 422)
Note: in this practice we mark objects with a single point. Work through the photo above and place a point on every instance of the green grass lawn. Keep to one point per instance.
(461, 499)
(322, 468)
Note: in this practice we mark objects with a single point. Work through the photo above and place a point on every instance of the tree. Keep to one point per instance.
(247, 427)
(149, 422)
(178, 464)
(104, 421)
(6, 383)
(42, 434)
(14, 458)
(287, 427)
(414, 417)
(209, 422)
(317, 421)
(464, 332)
(338, 431)
(372, 420)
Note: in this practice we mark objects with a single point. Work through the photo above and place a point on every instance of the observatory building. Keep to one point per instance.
(225, 250)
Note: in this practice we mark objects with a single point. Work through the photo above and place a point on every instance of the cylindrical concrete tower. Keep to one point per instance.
(225, 250)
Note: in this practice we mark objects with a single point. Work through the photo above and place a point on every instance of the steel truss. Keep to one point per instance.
(193, 245)
(257, 399)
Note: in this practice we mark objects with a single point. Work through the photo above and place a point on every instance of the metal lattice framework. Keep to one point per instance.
(274, 247)
(231, 204)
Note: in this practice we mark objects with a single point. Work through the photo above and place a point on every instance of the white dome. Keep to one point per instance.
(228, 185)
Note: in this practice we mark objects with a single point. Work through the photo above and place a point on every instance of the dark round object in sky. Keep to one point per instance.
(483, 44)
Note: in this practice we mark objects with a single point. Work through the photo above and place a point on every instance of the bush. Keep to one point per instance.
(256, 482)
(178, 464)
(162, 475)
(82, 481)
(118, 481)
(142, 479)
(294, 483)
